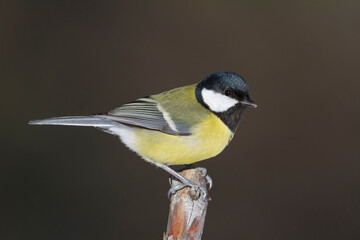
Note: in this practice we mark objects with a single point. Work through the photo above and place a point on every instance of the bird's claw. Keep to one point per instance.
(174, 189)
(180, 186)
(209, 180)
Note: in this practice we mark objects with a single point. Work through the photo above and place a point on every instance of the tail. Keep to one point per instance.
(86, 121)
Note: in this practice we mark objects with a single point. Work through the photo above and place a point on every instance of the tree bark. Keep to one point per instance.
(188, 208)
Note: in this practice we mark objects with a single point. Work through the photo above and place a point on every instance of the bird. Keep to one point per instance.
(181, 126)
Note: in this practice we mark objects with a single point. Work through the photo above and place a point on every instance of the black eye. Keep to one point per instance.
(227, 92)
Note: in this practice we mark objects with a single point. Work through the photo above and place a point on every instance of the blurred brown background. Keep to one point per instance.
(291, 172)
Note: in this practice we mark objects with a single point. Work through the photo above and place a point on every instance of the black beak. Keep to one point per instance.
(248, 103)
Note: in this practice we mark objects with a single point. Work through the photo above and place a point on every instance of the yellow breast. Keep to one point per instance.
(209, 138)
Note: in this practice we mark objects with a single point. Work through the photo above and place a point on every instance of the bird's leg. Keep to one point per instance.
(184, 182)
(203, 170)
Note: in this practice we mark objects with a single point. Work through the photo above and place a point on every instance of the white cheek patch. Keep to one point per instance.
(217, 102)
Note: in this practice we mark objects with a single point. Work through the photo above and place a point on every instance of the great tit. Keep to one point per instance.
(181, 126)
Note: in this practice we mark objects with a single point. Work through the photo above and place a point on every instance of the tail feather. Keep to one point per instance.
(87, 121)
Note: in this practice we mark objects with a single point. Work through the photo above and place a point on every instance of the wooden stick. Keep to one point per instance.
(187, 208)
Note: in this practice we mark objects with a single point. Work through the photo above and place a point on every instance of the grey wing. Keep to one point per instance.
(146, 113)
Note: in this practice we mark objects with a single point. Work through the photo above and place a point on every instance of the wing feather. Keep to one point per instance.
(146, 113)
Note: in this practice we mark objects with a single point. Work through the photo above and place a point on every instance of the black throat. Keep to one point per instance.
(230, 118)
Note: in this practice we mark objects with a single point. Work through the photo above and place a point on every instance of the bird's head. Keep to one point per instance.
(226, 94)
